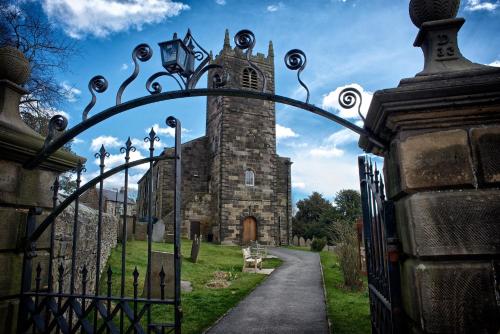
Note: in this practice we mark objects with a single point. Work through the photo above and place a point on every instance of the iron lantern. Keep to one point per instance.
(177, 57)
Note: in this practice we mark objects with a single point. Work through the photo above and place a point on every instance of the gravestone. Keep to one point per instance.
(308, 242)
(159, 260)
(195, 248)
(295, 240)
(141, 231)
(130, 228)
(302, 242)
(158, 231)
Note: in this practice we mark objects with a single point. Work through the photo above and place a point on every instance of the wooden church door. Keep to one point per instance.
(249, 230)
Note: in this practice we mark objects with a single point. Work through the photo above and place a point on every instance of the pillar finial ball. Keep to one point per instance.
(13, 65)
(432, 10)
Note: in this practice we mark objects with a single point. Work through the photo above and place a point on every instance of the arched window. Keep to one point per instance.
(249, 178)
(249, 79)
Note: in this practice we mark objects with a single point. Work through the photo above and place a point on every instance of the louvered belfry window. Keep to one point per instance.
(249, 79)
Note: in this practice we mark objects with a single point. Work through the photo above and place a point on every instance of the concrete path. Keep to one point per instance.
(290, 301)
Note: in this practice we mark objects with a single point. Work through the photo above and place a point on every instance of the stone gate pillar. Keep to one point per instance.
(442, 169)
(20, 189)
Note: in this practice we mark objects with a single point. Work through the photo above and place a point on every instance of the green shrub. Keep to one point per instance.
(317, 245)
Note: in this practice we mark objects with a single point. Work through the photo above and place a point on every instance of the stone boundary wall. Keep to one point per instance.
(86, 249)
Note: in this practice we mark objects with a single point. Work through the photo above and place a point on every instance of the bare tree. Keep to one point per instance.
(24, 26)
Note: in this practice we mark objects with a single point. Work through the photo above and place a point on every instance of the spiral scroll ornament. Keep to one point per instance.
(244, 39)
(142, 52)
(171, 121)
(57, 123)
(296, 60)
(348, 99)
(97, 84)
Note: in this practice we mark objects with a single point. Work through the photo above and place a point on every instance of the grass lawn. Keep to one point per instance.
(203, 306)
(349, 311)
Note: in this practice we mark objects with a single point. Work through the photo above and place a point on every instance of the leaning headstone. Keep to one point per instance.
(158, 231)
(195, 248)
(295, 240)
(308, 242)
(302, 242)
(130, 229)
(161, 260)
(141, 231)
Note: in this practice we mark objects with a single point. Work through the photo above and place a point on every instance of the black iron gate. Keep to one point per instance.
(51, 306)
(381, 247)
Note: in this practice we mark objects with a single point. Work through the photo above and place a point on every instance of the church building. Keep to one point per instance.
(235, 188)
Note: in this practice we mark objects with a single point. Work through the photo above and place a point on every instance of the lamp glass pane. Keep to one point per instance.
(169, 53)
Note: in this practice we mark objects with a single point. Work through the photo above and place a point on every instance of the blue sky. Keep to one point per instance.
(363, 42)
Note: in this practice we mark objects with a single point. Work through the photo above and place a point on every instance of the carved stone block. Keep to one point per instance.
(450, 297)
(161, 260)
(486, 145)
(435, 160)
(450, 223)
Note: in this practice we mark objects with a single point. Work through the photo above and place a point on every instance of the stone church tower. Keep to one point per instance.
(235, 187)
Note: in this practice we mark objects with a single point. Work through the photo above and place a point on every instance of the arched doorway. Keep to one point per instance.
(249, 230)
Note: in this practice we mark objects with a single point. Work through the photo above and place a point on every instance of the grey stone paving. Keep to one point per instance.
(290, 301)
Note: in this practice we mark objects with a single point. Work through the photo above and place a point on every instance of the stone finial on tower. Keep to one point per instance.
(270, 50)
(227, 46)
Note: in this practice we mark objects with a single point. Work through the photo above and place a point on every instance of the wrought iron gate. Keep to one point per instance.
(381, 247)
(51, 306)
(48, 305)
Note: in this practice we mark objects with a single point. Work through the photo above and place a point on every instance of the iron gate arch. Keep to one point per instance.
(55, 304)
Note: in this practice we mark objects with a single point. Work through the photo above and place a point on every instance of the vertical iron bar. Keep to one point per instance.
(177, 221)
(101, 155)
(55, 190)
(29, 253)
(108, 310)
(127, 149)
(151, 139)
(79, 169)
(84, 290)
(38, 279)
(60, 271)
(136, 277)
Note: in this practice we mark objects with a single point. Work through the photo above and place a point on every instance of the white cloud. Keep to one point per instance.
(475, 5)
(117, 159)
(298, 185)
(331, 101)
(326, 152)
(168, 131)
(102, 17)
(77, 141)
(71, 93)
(220, 2)
(275, 7)
(343, 136)
(124, 67)
(496, 63)
(283, 132)
(107, 141)
(326, 174)
(140, 144)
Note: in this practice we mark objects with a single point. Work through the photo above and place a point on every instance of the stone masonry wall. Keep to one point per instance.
(86, 248)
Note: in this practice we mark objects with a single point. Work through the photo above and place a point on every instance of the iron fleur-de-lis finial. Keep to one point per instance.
(152, 137)
(102, 154)
(127, 149)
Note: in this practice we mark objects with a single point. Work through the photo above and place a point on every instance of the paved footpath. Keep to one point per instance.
(290, 301)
